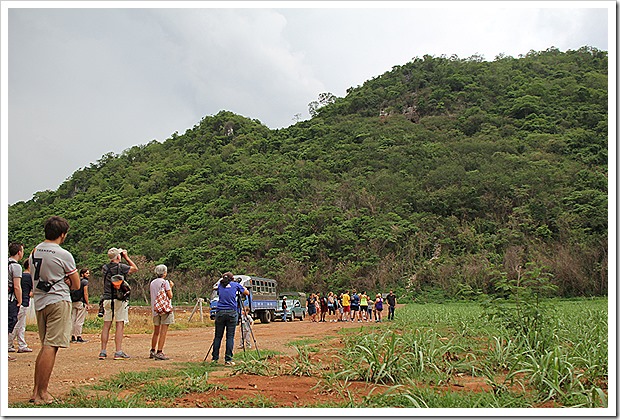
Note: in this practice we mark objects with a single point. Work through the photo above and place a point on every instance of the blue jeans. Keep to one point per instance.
(391, 312)
(284, 315)
(225, 320)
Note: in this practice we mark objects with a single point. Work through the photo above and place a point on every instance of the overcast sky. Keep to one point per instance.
(86, 81)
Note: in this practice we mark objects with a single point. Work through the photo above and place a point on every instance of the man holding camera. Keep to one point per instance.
(115, 308)
(227, 316)
(54, 275)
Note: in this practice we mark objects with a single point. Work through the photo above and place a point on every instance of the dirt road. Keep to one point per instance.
(79, 364)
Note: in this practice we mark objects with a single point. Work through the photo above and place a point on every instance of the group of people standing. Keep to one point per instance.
(350, 307)
(61, 302)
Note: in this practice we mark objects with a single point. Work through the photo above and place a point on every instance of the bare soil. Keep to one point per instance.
(79, 365)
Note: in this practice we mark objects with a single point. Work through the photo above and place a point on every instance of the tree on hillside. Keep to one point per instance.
(325, 98)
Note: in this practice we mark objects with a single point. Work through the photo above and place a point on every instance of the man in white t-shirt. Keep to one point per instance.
(54, 274)
(16, 250)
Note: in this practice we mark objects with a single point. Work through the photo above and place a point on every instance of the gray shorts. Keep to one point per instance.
(163, 319)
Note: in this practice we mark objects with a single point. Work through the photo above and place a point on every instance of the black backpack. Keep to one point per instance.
(120, 287)
(77, 295)
(12, 289)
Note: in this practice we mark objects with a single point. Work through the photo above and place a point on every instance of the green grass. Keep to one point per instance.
(434, 344)
(415, 359)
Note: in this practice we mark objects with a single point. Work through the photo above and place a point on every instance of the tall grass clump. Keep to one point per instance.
(556, 378)
(376, 357)
(393, 357)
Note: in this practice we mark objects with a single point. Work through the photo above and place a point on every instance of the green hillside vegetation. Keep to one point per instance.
(439, 178)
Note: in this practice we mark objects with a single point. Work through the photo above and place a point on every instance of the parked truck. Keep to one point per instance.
(262, 300)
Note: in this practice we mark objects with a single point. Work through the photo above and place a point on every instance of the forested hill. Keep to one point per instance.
(443, 174)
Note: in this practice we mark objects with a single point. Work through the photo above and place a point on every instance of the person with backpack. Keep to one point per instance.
(115, 307)
(79, 299)
(355, 306)
(16, 251)
(378, 307)
(20, 328)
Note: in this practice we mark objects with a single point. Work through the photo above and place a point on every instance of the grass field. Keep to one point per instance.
(553, 356)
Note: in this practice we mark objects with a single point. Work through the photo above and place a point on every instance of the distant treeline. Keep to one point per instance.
(438, 178)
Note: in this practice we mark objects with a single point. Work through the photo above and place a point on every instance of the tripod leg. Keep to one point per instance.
(254, 339)
(242, 338)
(209, 351)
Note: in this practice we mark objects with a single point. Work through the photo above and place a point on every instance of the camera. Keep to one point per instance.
(46, 286)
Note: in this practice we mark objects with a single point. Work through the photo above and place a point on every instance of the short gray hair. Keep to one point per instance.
(160, 270)
(113, 253)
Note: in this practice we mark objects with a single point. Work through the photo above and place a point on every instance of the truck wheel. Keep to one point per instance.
(265, 317)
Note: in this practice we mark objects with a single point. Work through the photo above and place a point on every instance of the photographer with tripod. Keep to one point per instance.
(227, 316)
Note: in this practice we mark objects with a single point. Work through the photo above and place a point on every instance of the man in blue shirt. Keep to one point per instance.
(226, 317)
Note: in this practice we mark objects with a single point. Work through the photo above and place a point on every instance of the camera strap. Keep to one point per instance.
(38, 262)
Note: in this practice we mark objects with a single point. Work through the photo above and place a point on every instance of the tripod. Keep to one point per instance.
(241, 322)
(242, 316)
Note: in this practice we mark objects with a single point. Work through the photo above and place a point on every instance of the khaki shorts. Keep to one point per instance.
(163, 319)
(54, 322)
(121, 310)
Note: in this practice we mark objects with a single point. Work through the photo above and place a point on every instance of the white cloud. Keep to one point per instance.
(84, 82)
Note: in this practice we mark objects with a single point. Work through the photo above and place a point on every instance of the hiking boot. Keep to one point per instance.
(80, 340)
(160, 356)
(151, 354)
(121, 355)
(73, 339)
(25, 350)
(103, 355)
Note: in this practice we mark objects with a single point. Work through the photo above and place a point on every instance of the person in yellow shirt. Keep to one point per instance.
(363, 306)
(346, 306)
